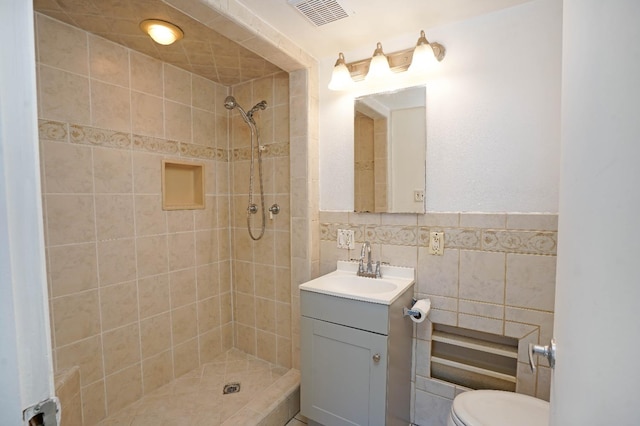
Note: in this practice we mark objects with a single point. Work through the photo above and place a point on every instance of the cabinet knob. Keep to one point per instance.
(376, 358)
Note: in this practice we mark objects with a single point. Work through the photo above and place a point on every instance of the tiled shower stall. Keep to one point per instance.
(139, 295)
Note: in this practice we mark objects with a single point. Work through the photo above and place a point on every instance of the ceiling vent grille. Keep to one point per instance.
(321, 12)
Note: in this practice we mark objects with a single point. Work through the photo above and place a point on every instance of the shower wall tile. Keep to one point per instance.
(123, 388)
(157, 371)
(112, 171)
(121, 348)
(177, 121)
(154, 295)
(76, 317)
(203, 93)
(58, 159)
(177, 84)
(63, 96)
(155, 335)
(139, 295)
(151, 255)
(146, 113)
(183, 287)
(110, 107)
(108, 61)
(73, 268)
(118, 305)
(185, 357)
(70, 219)
(93, 402)
(116, 261)
(146, 173)
(150, 219)
(61, 46)
(87, 354)
(114, 216)
(146, 74)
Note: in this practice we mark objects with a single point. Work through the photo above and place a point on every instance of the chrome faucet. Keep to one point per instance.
(368, 271)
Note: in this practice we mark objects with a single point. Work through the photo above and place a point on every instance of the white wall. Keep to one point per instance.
(493, 115)
(597, 292)
(26, 369)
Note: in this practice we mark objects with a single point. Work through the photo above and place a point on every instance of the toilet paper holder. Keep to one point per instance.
(410, 312)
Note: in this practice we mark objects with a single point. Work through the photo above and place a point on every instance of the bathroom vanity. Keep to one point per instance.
(356, 347)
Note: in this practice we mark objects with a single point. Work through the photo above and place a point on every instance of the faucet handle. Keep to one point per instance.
(378, 273)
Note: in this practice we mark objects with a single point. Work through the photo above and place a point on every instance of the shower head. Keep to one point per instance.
(230, 102)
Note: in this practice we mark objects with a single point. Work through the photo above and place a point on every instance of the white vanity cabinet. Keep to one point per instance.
(355, 360)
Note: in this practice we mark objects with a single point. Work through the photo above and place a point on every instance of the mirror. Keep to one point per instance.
(390, 139)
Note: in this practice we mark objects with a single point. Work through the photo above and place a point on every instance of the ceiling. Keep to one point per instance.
(208, 53)
(371, 21)
(203, 51)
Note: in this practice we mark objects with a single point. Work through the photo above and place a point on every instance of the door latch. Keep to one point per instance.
(548, 352)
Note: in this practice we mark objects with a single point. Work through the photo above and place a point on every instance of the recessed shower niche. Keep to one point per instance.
(182, 185)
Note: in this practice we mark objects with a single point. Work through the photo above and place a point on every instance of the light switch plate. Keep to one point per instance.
(346, 239)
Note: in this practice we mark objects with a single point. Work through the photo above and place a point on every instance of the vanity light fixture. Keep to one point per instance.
(341, 77)
(425, 55)
(379, 66)
(162, 32)
(417, 60)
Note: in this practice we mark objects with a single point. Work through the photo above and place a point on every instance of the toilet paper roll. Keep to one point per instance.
(423, 306)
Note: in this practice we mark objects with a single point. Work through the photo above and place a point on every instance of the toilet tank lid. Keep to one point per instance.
(500, 408)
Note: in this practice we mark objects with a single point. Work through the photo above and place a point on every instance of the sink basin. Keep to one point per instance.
(347, 283)
(344, 282)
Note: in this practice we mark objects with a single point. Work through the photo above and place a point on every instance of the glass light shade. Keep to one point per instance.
(423, 59)
(379, 66)
(161, 32)
(341, 77)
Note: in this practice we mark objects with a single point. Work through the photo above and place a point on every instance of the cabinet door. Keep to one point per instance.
(342, 381)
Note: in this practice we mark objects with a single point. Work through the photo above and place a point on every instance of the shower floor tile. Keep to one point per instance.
(196, 398)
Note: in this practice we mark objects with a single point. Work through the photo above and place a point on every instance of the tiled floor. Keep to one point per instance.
(298, 420)
(197, 399)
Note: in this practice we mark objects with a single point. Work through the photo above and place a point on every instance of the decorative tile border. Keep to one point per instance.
(146, 143)
(53, 130)
(99, 137)
(87, 135)
(270, 150)
(497, 240)
(364, 165)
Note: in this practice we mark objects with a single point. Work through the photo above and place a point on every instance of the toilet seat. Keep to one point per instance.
(498, 408)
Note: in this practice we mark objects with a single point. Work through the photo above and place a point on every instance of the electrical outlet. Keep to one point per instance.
(418, 195)
(346, 239)
(436, 243)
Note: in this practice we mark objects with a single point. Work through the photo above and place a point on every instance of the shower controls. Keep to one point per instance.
(274, 209)
(231, 103)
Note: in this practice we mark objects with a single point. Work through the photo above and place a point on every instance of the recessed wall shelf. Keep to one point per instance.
(182, 185)
(474, 359)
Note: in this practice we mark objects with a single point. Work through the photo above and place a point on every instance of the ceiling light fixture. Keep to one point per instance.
(417, 60)
(162, 32)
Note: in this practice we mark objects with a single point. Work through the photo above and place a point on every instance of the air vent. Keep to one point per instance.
(321, 12)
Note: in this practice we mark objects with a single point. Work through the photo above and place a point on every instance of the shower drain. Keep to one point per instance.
(231, 388)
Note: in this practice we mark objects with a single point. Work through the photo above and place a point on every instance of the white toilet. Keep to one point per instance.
(498, 408)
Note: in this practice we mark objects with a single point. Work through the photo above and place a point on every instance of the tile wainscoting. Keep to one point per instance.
(497, 275)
